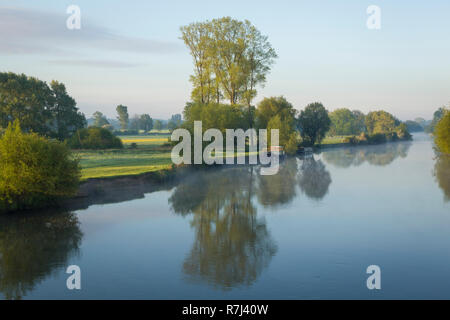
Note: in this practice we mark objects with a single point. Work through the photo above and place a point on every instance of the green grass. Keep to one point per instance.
(334, 140)
(150, 155)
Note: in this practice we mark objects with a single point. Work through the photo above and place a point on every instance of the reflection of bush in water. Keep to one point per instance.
(32, 247)
(379, 155)
(442, 174)
(232, 246)
(314, 179)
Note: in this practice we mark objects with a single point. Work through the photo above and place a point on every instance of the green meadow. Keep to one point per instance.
(151, 153)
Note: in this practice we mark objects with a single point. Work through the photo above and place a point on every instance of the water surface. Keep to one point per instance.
(308, 232)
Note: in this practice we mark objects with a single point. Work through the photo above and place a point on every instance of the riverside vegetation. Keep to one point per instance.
(222, 98)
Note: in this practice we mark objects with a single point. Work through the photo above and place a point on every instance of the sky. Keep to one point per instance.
(129, 52)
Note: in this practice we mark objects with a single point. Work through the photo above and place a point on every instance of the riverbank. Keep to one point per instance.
(146, 154)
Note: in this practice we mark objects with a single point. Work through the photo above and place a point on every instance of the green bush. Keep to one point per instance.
(94, 138)
(442, 133)
(34, 171)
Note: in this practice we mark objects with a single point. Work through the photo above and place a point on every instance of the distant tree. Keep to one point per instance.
(34, 171)
(421, 121)
(442, 133)
(157, 125)
(344, 122)
(438, 114)
(99, 119)
(359, 121)
(145, 122)
(380, 122)
(122, 116)
(314, 123)
(67, 118)
(174, 122)
(413, 126)
(135, 123)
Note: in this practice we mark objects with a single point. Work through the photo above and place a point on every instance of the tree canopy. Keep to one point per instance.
(231, 58)
(314, 123)
(346, 122)
(44, 109)
(442, 133)
(122, 116)
(380, 122)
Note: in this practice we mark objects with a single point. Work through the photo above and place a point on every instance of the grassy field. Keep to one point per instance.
(334, 140)
(151, 154)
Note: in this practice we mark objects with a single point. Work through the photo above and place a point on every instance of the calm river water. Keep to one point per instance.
(308, 232)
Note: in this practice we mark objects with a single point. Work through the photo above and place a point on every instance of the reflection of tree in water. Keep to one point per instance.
(379, 155)
(34, 246)
(442, 174)
(278, 189)
(232, 246)
(313, 178)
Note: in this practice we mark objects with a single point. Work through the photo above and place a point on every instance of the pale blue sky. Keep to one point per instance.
(128, 52)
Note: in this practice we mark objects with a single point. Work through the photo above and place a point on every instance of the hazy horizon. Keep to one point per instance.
(132, 55)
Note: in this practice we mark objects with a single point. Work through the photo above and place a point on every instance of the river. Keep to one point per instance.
(309, 232)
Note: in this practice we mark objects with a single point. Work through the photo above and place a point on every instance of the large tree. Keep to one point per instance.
(47, 110)
(26, 99)
(231, 58)
(66, 117)
(313, 123)
(122, 116)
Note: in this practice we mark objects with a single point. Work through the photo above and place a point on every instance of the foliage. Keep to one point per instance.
(346, 122)
(213, 115)
(34, 171)
(122, 116)
(413, 126)
(47, 110)
(287, 133)
(442, 133)
(380, 122)
(99, 119)
(174, 122)
(94, 138)
(145, 122)
(157, 125)
(270, 107)
(438, 114)
(314, 123)
(402, 132)
(231, 58)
